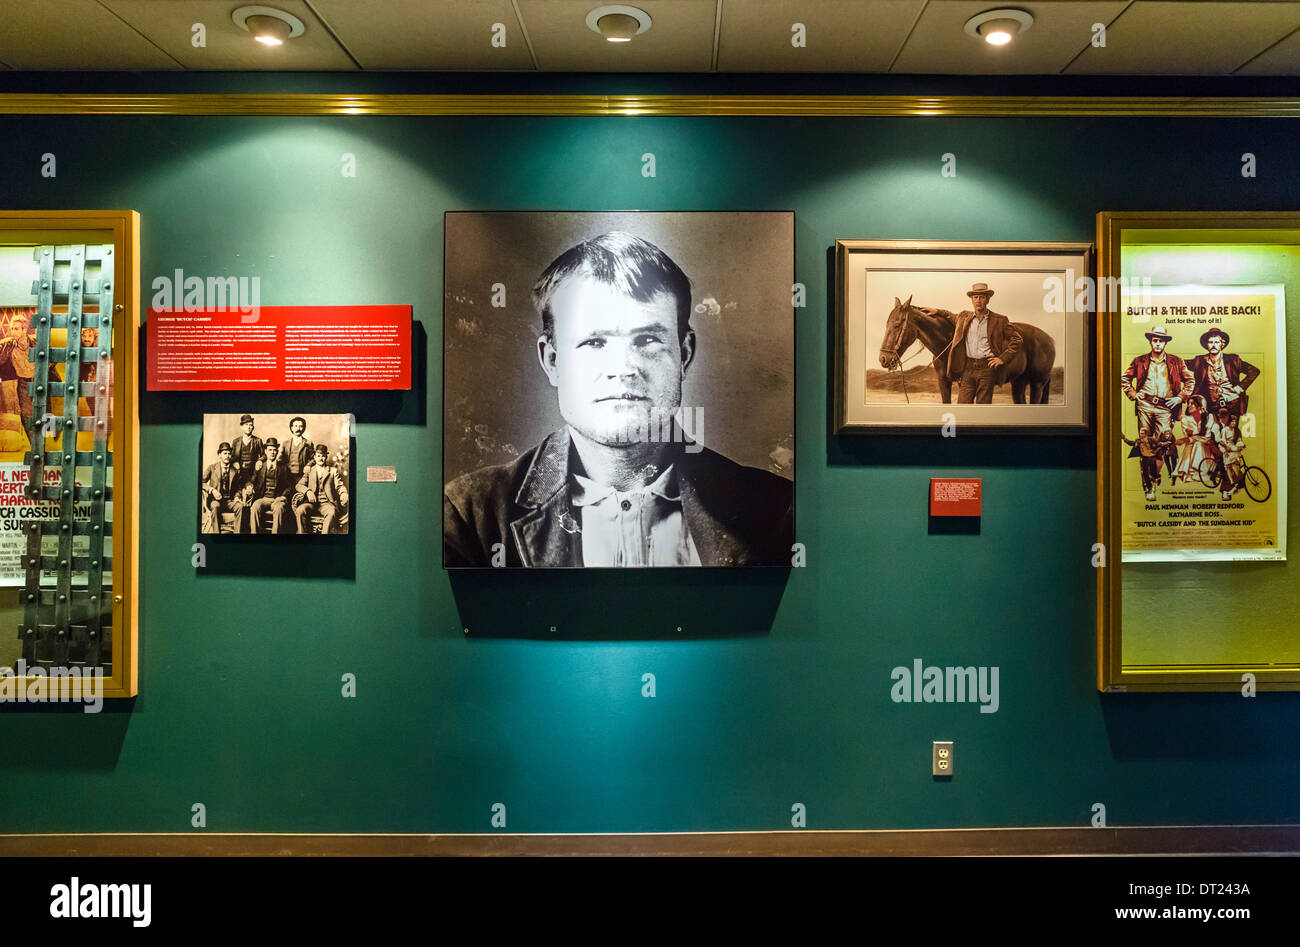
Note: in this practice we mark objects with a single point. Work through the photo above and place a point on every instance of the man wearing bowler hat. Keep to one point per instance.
(221, 492)
(1222, 377)
(982, 342)
(246, 450)
(319, 492)
(271, 487)
(1158, 382)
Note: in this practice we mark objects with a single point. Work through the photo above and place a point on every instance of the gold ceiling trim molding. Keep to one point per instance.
(239, 103)
(1134, 840)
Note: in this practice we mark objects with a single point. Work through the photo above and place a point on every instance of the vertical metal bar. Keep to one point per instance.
(63, 610)
(99, 490)
(34, 636)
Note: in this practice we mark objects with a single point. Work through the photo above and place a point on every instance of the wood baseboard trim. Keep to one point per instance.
(1136, 840)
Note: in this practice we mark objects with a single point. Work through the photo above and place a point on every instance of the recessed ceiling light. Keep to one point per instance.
(999, 27)
(269, 26)
(618, 23)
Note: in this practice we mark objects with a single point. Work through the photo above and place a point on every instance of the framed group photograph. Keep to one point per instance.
(989, 337)
(276, 474)
(618, 390)
(1195, 590)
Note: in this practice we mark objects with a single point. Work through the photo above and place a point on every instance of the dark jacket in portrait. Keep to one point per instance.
(324, 484)
(298, 460)
(282, 487)
(220, 485)
(1239, 371)
(736, 515)
(245, 454)
(1004, 338)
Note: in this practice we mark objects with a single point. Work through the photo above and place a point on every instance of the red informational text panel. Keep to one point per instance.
(955, 496)
(279, 348)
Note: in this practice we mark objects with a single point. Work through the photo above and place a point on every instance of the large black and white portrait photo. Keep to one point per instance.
(981, 336)
(618, 389)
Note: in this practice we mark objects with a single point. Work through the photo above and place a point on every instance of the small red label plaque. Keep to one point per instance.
(955, 496)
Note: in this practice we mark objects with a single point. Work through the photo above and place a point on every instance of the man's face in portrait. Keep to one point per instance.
(1158, 346)
(271, 452)
(981, 303)
(614, 360)
(1215, 344)
(248, 428)
(322, 458)
(224, 457)
(296, 428)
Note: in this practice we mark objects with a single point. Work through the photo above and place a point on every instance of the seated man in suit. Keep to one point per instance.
(619, 485)
(270, 488)
(221, 493)
(320, 492)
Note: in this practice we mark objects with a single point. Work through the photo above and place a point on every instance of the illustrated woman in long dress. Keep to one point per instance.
(1194, 441)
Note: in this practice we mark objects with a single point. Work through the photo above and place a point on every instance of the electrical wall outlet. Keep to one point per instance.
(941, 758)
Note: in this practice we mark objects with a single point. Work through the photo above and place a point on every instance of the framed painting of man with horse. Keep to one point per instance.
(941, 335)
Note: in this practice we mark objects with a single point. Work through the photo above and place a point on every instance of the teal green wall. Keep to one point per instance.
(778, 689)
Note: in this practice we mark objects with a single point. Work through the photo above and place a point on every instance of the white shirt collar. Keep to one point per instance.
(587, 492)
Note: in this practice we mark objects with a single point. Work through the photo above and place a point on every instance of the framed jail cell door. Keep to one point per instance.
(69, 432)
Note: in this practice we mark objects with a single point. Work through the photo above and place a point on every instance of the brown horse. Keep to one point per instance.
(1030, 370)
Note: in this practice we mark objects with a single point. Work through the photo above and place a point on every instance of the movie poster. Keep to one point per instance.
(1204, 423)
(16, 509)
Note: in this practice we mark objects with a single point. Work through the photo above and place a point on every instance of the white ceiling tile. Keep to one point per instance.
(1281, 60)
(170, 23)
(430, 35)
(73, 34)
(940, 44)
(680, 38)
(1163, 37)
(838, 35)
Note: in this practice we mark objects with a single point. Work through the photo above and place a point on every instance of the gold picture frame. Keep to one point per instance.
(880, 286)
(121, 229)
(1251, 652)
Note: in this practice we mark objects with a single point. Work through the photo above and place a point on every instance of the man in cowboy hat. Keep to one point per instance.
(1158, 382)
(1222, 377)
(982, 342)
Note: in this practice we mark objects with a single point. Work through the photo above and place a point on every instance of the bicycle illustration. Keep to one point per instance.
(1256, 482)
